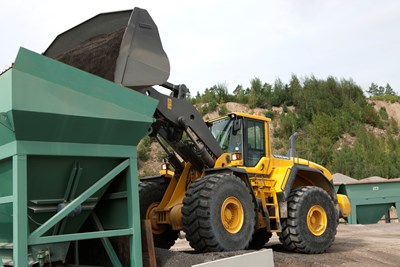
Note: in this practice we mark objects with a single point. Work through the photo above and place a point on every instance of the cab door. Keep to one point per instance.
(256, 146)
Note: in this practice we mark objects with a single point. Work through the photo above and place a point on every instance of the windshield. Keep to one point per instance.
(222, 130)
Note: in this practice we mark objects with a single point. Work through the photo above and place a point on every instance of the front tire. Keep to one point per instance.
(151, 194)
(218, 214)
(311, 223)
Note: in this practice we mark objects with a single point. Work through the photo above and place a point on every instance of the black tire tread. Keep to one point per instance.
(196, 209)
(150, 192)
(291, 236)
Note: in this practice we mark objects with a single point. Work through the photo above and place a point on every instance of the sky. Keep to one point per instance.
(210, 42)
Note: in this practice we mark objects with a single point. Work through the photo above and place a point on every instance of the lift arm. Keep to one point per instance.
(130, 53)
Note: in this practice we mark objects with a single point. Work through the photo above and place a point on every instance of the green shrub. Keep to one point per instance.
(278, 145)
(161, 154)
(222, 110)
(387, 98)
(270, 114)
(285, 108)
(383, 113)
(209, 107)
(394, 126)
(144, 148)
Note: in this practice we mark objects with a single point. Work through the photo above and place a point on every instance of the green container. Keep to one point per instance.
(371, 201)
(67, 143)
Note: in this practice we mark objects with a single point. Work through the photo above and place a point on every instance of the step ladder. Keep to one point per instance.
(272, 206)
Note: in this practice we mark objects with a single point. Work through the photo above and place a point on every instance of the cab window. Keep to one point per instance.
(255, 142)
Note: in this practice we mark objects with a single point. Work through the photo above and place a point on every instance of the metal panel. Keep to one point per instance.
(58, 103)
(69, 137)
(371, 201)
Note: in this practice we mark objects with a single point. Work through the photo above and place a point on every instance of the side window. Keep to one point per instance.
(255, 142)
(221, 130)
(236, 141)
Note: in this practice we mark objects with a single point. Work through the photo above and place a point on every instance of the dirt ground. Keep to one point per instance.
(355, 245)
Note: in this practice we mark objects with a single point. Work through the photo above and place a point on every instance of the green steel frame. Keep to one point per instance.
(19, 150)
(49, 110)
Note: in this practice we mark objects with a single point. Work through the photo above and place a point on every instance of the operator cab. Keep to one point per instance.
(241, 133)
(228, 133)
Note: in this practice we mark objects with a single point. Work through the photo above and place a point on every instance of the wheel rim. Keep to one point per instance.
(152, 216)
(317, 220)
(232, 215)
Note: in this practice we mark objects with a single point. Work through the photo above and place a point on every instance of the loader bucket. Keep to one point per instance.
(124, 47)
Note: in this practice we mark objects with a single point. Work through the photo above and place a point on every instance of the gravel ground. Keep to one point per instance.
(355, 245)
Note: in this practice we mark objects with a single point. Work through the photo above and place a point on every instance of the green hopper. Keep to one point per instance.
(370, 201)
(68, 166)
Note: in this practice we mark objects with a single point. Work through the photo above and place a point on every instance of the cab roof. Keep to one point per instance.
(244, 115)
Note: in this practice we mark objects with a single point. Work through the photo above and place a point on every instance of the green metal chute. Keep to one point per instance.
(67, 145)
(370, 201)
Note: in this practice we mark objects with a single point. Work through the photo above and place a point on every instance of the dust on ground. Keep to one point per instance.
(355, 245)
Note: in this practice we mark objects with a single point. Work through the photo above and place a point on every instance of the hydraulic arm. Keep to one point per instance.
(174, 117)
(140, 62)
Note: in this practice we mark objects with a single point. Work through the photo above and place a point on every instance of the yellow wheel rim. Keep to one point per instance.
(317, 220)
(152, 216)
(232, 215)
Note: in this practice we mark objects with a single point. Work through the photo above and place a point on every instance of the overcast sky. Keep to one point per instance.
(210, 41)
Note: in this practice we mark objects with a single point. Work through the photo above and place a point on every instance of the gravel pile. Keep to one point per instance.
(339, 178)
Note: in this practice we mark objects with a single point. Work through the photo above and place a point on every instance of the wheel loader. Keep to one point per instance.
(220, 183)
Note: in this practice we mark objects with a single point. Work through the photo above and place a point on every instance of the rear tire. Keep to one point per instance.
(311, 223)
(218, 214)
(151, 194)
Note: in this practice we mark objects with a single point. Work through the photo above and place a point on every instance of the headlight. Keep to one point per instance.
(164, 167)
(237, 156)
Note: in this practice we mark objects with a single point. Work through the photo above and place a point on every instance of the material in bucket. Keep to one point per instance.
(126, 50)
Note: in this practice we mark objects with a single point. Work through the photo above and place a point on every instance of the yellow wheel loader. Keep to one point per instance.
(221, 182)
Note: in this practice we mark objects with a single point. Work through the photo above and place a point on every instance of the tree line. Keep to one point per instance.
(338, 123)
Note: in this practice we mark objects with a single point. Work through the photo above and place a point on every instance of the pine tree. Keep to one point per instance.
(389, 90)
(373, 89)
